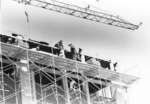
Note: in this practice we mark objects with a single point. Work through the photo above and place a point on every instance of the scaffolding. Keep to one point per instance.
(36, 77)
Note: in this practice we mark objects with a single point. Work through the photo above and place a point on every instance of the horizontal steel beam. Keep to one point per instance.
(80, 12)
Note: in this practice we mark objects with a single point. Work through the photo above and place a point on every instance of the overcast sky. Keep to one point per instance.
(130, 48)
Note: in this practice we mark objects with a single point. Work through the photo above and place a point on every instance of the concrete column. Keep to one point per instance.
(26, 84)
(87, 92)
(65, 84)
(121, 95)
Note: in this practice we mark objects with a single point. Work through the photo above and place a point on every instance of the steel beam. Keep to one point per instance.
(80, 12)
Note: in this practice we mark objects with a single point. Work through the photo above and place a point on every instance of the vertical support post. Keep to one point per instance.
(0, 17)
(2, 90)
(66, 87)
(26, 84)
(79, 89)
(2, 95)
(113, 91)
(16, 85)
(33, 87)
(121, 95)
(87, 93)
(42, 97)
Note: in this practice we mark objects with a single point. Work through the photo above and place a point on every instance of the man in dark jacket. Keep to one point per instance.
(73, 52)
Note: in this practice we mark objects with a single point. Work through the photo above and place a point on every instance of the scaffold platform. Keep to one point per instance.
(47, 78)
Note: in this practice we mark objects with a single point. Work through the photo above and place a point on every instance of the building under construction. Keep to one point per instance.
(40, 76)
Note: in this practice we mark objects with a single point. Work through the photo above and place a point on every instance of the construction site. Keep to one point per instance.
(32, 72)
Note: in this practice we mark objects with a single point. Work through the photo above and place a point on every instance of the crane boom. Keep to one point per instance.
(80, 12)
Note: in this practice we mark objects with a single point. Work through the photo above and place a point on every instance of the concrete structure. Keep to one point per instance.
(35, 77)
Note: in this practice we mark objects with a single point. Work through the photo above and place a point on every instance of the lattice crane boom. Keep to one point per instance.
(80, 12)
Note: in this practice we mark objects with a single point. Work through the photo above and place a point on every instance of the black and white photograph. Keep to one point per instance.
(74, 52)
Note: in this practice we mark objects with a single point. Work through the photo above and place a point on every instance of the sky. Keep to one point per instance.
(131, 49)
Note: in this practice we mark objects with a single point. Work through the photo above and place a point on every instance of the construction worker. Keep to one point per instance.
(73, 52)
(60, 46)
(73, 85)
(80, 56)
(88, 7)
(105, 64)
(19, 40)
(10, 40)
(115, 66)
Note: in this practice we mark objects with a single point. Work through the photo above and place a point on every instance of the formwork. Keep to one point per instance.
(35, 77)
